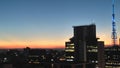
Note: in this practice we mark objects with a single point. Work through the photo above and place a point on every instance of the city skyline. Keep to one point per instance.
(48, 23)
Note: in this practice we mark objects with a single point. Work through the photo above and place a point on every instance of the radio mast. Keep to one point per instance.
(114, 34)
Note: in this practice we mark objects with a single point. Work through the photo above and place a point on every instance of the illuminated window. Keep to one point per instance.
(93, 50)
(69, 50)
(69, 60)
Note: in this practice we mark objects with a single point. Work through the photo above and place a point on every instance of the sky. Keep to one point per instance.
(49, 23)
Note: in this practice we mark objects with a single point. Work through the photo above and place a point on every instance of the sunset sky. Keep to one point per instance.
(48, 23)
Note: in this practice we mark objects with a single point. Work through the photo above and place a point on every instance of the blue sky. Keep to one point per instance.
(51, 21)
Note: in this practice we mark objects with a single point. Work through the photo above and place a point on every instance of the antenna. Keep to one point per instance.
(114, 34)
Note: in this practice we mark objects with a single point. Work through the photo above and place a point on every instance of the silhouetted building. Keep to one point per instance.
(101, 57)
(36, 56)
(83, 47)
(85, 43)
(112, 57)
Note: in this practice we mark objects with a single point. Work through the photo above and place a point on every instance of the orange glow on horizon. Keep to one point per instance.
(106, 38)
(31, 46)
(47, 43)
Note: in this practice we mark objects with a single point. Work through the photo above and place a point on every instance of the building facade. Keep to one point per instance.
(69, 49)
(101, 54)
(85, 45)
(112, 57)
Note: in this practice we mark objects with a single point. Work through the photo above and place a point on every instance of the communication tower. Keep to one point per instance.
(114, 34)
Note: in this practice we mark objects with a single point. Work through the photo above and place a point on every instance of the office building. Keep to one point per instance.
(83, 47)
(112, 57)
(69, 49)
(85, 43)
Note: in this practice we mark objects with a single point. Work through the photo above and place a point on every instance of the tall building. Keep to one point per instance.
(83, 47)
(85, 43)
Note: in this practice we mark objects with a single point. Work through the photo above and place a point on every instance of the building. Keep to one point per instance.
(101, 57)
(83, 47)
(36, 56)
(112, 57)
(69, 49)
(85, 43)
